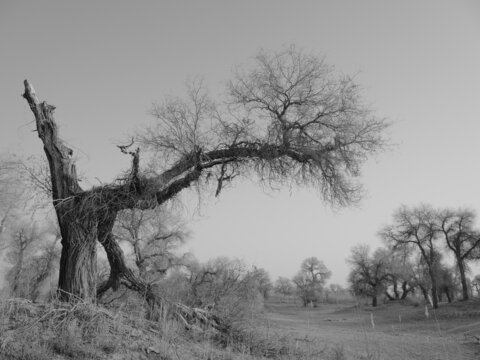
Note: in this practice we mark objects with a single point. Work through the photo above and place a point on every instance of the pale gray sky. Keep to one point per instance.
(103, 63)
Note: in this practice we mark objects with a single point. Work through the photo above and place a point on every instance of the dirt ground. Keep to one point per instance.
(390, 331)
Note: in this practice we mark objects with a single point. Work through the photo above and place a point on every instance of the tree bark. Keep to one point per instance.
(425, 294)
(120, 273)
(78, 261)
(374, 301)
(449, 297)
(395, 289)
(434, 289)
(463, 278)
(77, 274)
(83, 216)
(405, 290)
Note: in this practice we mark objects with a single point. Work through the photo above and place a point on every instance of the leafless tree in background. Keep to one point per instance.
(155, 237)
(290, 119)
(12, 193)
(261, 279)
(447, 282)
(21, 247)
(476, 284)
(311, 279)
(227, 288)
(284, 286)
(401, 276)
(417, 227)
(369, 273)
(32, 253)
(43, 265)
(457, 229)
(421, 277)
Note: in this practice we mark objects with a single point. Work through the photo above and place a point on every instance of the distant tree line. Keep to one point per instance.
(309, 285)
(413, 260)
(418, 242)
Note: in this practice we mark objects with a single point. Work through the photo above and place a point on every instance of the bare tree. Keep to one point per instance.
(400, 276)
(289, 118)
(284, 286)
(218, 278)
(446, 282)
(12, 192)
(476, 284)
(4, 196)
(369, 273)
(155, 237)
(457, 229)
(417, 227)
(262, 280)
(32, 253)
(227, 288)
(21, 246)
(310, 280)
(42, 265)
(339, 293)
(421, 277)
(35, 175)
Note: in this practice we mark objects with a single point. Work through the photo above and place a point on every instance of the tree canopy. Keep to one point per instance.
(290, 118)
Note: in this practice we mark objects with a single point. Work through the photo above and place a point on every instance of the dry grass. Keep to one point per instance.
(79, 331)
(331, 332)
(399, 331)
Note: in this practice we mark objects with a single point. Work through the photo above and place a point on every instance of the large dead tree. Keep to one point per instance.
(289, 118)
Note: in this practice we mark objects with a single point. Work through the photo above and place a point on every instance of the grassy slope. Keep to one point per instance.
(82, 331)
(399, 331)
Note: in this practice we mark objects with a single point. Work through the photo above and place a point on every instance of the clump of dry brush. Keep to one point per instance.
(63, 330)
(59, 330)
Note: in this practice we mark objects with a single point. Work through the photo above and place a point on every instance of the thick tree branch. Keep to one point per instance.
(155, 191)
(119, 271)
(62, 167)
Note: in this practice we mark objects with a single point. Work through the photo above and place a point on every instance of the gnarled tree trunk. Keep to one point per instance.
(78, 261)
(81, 215)
(77, 277)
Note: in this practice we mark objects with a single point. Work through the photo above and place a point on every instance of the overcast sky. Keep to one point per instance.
(103, 63)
